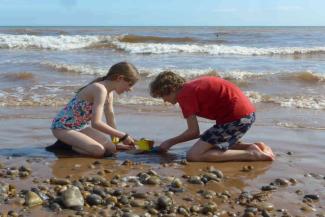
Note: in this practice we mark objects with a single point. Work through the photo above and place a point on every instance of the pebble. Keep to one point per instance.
(153, 180)
(32, 199)
(268, 188)
(176, 183)
(308, 209)
(313, 197)
(282, 182)
(266, 206)
(247, 168)
(164, 202)
(195, 180)
(94, 199)
(58, 181)
(72, 197)
(209, 208)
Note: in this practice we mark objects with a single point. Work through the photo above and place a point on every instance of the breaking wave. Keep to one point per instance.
(143, 45)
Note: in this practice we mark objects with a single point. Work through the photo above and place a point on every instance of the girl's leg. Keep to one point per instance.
(80, 142)
(104, 140)
(100, 138)
(205, 152)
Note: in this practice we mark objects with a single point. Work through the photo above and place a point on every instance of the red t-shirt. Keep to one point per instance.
(215, 99)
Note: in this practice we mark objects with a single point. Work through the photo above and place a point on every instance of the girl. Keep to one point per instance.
(90, 102)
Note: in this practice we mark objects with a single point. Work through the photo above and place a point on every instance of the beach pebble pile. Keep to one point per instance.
(145, 194)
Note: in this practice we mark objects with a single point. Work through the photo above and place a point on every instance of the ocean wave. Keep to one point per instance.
(292, 125)
(151, 48)
(151, 72)
(56, 95)
(155, 39)
(62, 42)
(80, 69)
(303, 76)
(134, 44)
(235, 75)
(18, 76)
(303, 102)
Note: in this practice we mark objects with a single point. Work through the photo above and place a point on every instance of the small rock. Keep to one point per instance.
(313, 197)
(32, 199)
(195, 180)
(164, 202)
(72, 197)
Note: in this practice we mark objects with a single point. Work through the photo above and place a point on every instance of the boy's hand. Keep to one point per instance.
(129, 141)
(165, 146)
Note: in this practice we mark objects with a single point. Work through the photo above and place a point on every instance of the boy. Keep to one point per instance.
(215, 99)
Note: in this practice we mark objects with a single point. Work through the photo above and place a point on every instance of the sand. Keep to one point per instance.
(299, 156)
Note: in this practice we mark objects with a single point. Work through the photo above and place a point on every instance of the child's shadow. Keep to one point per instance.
(60, 149)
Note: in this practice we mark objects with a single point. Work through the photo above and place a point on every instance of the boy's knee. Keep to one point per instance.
(192, 157)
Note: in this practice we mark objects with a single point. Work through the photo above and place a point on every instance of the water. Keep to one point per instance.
(281, 69)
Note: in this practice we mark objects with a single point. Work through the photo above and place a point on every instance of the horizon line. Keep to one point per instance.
(162, 26)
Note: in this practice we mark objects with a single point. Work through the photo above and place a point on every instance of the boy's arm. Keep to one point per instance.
(192, 132)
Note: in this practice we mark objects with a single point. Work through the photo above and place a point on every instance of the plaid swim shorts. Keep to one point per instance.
(223, 136)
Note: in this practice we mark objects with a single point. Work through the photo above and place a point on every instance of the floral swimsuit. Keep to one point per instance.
(75, 115)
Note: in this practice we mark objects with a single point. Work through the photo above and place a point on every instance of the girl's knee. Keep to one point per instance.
(110, 148)
(98, 151)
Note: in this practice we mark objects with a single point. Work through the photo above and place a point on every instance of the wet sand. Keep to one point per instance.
(300, 152)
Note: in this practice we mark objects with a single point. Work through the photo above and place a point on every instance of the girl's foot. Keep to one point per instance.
(265, 148)
(258, 155)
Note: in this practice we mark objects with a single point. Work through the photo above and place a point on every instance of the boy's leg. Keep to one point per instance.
(261, 145)
(80, 142)
(205, 152)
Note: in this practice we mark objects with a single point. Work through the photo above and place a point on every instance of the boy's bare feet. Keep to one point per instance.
(123, 147)
(258, 154)
(265, 148)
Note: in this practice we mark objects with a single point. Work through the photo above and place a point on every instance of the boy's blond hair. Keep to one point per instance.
(166, 83)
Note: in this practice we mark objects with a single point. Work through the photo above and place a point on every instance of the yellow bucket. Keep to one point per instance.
(144, 144)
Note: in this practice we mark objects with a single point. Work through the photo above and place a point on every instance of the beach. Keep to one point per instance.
(281, 70)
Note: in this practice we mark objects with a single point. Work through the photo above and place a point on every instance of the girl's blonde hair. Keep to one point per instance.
(165, 83)
(126, 69)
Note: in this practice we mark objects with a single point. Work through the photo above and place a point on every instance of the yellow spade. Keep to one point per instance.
(144, 144)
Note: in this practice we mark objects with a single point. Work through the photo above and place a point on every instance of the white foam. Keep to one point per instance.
(82, 69)
(62, 42)
(3, 94)
(138, 100)
(70, 42)
(305, 102)
(158, 48)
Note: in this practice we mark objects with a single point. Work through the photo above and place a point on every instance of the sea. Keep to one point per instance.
(281, 70)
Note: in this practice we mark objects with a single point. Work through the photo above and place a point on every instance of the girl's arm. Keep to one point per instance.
(192, 132)
(99, 94)
(109, 111)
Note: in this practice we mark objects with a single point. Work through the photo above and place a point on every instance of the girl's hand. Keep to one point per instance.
(165, 146)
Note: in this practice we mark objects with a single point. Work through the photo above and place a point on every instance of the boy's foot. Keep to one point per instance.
(258, 154)
(123, 147)
(265, 148)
